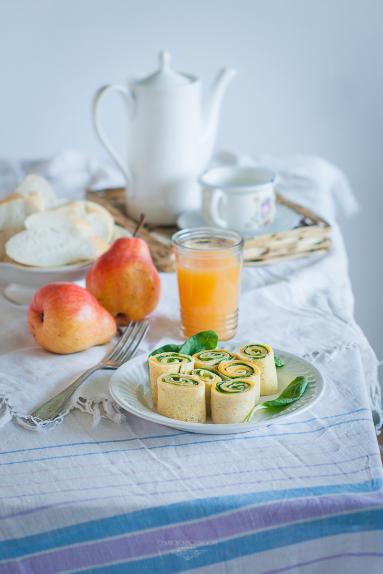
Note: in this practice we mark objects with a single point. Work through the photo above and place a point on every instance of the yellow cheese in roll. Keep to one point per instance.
(231, 400)
(263, 356)
(181, 397)
(210, 359)
(166, 363)
(239, 369)
(209, 378)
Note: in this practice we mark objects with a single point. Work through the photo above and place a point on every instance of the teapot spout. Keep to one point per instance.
(212, 107)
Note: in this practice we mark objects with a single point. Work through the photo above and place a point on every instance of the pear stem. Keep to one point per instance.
(139, 224)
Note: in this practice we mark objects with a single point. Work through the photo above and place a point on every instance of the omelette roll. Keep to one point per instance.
(181, 397)
(239, 369)
(232, 400)
(166, 363)
(263, 357)
(210, 359)
(209, 378)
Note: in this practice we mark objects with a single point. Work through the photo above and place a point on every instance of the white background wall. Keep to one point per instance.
(311, 80)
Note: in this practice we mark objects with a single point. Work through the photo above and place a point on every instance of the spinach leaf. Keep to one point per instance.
(203, 341)
(292, 393)
(279, 362)
(289, 395)
(170, 348)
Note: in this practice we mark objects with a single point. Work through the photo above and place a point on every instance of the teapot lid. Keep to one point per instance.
(165, 76)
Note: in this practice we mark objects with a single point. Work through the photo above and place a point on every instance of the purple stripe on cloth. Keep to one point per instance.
(199, 532)
(324, 559)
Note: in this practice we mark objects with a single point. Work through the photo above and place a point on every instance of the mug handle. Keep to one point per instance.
(98, 97)
(215, 208)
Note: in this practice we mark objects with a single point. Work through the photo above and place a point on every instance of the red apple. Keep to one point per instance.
(125, 280)
(66, 318)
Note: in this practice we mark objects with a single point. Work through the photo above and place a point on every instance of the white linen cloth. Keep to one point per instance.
(303, 306)
(300, 496)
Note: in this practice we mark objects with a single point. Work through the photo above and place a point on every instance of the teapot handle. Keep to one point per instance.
(98, 97)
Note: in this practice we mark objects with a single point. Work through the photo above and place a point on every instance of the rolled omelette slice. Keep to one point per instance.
(263, 356)
(239, 369)
(210, 359)
(166, 363)
(209, 378)
(181, 397)
(232, 400)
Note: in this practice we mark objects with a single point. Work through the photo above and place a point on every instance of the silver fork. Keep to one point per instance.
(121, 352)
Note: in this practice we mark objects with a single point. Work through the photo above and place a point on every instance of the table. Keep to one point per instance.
(305, 495)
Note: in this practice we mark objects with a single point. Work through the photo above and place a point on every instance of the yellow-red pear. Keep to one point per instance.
(125, 280)
(66, 318)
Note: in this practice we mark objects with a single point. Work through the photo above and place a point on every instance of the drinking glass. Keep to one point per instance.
(208, 263)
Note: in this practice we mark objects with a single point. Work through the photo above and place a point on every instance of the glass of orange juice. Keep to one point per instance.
(208, 263)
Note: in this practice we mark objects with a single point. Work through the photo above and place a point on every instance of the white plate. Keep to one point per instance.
(285, 219)
(130, 388)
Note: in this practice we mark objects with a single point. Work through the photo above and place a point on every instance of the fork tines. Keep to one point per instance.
(129, 342)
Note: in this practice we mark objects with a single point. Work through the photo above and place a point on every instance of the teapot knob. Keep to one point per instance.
(165, 59)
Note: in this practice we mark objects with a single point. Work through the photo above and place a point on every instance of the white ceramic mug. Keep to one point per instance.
(238, 197)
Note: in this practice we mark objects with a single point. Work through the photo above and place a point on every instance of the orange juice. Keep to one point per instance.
(208, 274)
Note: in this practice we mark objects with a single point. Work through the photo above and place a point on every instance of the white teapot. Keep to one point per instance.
(171, 134)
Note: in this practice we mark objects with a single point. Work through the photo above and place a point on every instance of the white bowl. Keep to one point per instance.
(21, 282)
(38, 276)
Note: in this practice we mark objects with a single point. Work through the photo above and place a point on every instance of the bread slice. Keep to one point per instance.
(6, 234)
(33, 194)
(36, 184)
(97, 217)
(53, 247)
(15, 208)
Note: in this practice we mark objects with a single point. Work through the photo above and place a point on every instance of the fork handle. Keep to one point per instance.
(58, 404)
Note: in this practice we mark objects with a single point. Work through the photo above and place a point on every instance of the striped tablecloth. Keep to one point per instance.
(304, 495)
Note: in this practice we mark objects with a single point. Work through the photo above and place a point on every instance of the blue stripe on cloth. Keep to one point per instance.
(92, 442)
(263, 541)
(73, 502)
(225, 438)
(157, 517)
(119, 440)
(157, 482)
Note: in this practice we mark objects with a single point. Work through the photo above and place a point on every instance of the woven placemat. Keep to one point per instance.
(311, 235)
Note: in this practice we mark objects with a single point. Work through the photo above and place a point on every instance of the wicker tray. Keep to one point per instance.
(312, 235)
